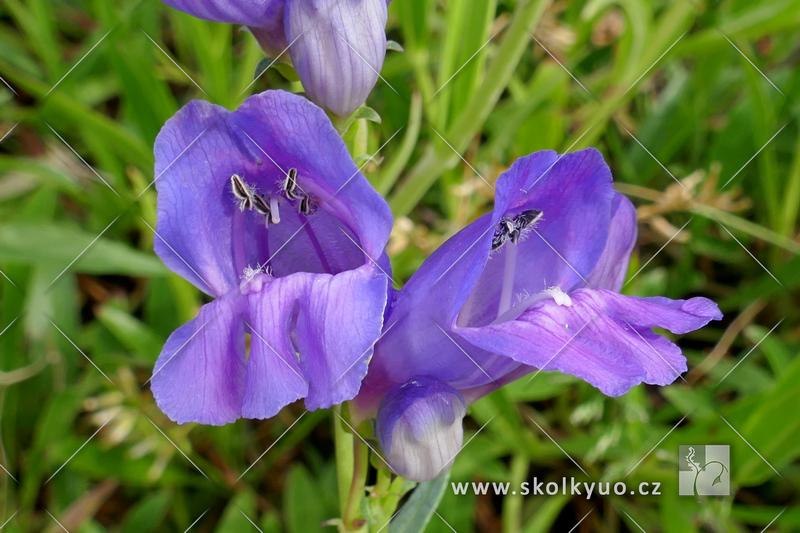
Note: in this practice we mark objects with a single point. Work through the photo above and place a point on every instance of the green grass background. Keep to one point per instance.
(702, 110)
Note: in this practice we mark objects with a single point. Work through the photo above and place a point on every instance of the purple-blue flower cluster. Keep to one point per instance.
(264, 210)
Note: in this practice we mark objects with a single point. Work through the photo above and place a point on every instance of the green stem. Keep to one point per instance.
(352, 513)
(438, 156)
(361, 139)
(344, 458)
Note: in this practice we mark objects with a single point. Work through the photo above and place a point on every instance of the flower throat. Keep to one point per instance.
(268, 206)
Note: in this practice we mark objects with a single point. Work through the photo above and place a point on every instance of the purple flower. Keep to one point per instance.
(263, 209)
(337, 46)
(533, 285)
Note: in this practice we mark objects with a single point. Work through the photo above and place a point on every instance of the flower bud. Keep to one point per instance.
(419, 428)
(337, 49)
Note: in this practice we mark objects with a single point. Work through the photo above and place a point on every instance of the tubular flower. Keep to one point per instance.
(534, 285)
(263, 209)
(336, 46)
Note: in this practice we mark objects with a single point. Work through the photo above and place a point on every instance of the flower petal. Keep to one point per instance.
(274, 378)
(575, 197)
(195, 158)
(610, 270)
(602, 337)
(336, 321)
(199, 376)
(249, 12)
(338, 49)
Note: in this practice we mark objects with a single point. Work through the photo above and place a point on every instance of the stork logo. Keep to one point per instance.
(704, 470)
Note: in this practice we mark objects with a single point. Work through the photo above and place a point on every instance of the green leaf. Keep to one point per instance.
(46, 244)
(148, 513)
(284, 69)
(238, 514)
(262, 66)
(394, 46)
(342, 125)
(367, 113)
(546, 514)
(301, 489)
(773, 429)
(419, 508)
(132, 333)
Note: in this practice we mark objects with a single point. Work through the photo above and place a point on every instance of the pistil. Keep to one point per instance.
(508, 278)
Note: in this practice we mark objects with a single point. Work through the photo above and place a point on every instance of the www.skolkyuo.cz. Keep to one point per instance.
(568, 486)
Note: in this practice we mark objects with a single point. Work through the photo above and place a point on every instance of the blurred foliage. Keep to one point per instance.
(669, 92)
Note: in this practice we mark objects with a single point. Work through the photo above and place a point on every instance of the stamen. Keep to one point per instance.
(261, 207)
(275, 214)
(307, 205)
(242, 192)
(289, 186)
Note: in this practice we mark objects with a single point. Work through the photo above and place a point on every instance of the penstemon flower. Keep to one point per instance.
(263, 209)
(533, 285)
(337, 46)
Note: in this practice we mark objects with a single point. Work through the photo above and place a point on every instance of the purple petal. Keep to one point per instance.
(575, 195)
(195, 157)
(678, 316)
(335, 320)
(609, 273)
(248, 12)
(271, 37)
(274, 378)
(338, 49)
(602, 337)
(199, 376)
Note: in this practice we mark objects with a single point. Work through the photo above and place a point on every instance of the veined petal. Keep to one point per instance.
(338, 50)
(602, 337)
(336, 334)
(195, 157)
(199, 376)
(313, 337)
(274, 378)
(609, 272)
(247, 12)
